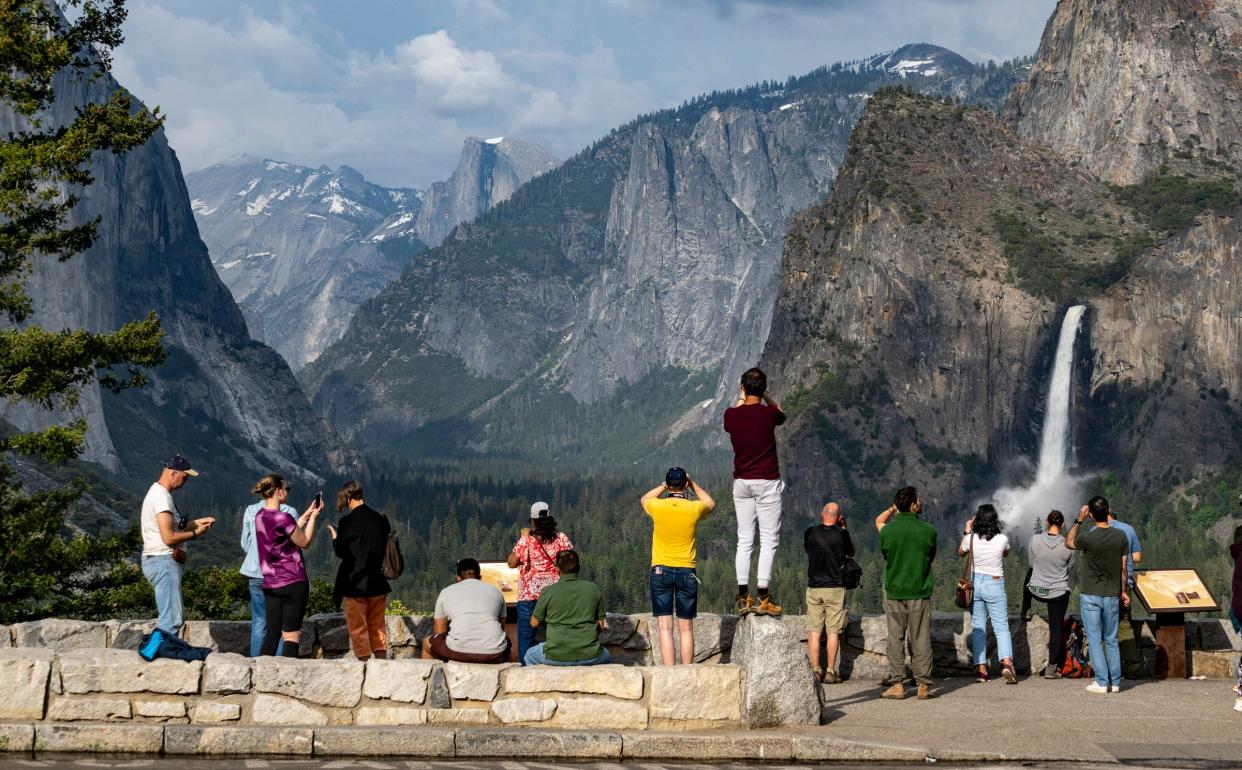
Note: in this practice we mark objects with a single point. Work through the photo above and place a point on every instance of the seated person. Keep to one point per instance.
(469, 620)
(574, 612)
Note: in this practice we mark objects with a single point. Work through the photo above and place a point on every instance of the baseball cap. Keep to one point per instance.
(676, 477)
(179, 463)
(539, 510)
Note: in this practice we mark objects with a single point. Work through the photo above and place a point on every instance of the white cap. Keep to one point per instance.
(539, 510)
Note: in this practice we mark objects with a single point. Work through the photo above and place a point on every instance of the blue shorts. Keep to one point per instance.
(674, 586)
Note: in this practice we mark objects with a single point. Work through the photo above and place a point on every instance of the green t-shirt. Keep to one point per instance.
(570, 608)
(909, 546)
(1099, 569)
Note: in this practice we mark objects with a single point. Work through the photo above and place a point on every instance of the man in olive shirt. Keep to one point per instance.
(909, 545)
(574, 611)
(1102, 589)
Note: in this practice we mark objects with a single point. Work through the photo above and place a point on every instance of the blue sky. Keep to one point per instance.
(392, 87)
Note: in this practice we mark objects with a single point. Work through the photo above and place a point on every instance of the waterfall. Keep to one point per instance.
(1054, 486)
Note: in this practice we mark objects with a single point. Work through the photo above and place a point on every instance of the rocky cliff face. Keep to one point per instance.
(910, 340)
(1136, 92)
(489, 171)
(227, 402)
(1124, 87)
(615, 299)
(300, 248)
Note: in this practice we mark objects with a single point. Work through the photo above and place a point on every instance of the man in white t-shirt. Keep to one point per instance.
(165, 531)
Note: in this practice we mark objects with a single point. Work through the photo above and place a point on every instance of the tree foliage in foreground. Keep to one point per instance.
(43, 566)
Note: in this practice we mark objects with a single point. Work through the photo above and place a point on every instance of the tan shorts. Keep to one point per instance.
(825, 610)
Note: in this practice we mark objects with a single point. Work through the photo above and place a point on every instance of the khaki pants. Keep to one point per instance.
(364, 617)
(909, 619)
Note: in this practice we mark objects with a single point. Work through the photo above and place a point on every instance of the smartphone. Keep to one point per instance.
(319, 498)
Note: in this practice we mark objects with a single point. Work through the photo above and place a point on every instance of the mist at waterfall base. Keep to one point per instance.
(1055, 484)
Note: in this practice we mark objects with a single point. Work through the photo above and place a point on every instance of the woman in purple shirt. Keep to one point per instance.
(280, 538)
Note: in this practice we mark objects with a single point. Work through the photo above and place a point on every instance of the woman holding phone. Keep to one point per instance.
(286, 588)
(534, 556)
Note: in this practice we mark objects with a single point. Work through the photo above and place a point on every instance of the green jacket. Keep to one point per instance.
(909, 546)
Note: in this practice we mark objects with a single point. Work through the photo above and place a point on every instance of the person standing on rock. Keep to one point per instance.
(674, 554)
(909, 546)
(165, 532)
(574, 612)
(254, 574)
(534, 557)
(359, 541)
(286, 587)
(757, 487)
(1101, 578)
(827, 545)
(1049, 582)
(986, 546)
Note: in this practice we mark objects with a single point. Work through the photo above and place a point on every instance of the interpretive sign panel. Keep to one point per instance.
(504, 577)
(1173, 590)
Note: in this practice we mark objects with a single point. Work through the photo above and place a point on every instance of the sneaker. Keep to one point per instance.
(1011, 676)
(767, 607)
(1237, 706)
(1114, 688)
(831, 677)
(896, 692)
(745, 605)
(1052, 672)
(925, 692)
(1237, 690)
(1097, 687)
(982, 676)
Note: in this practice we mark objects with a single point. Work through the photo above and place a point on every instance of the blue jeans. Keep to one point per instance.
(525, 634)
(535, 657)
(164, 574)
(674, 588)
(1099, 622)
(990, 602)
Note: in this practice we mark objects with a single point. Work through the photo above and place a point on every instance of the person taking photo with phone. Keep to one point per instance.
(534, 557)
(286, 587)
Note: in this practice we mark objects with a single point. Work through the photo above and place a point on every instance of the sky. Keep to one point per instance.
(393, 87)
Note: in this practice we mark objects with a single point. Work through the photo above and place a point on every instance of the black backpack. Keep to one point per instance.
(851, 573)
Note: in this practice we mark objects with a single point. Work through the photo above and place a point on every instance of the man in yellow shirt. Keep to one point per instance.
(673, 558)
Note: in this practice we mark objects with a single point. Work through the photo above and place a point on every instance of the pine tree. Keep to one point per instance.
(41, 164)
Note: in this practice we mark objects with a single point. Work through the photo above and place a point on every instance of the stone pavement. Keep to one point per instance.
(1047, 721)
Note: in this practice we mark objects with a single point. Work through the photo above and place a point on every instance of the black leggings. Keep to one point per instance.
(1057, 605)
(283, 608)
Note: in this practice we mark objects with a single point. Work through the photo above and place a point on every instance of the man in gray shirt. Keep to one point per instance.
(469, 618)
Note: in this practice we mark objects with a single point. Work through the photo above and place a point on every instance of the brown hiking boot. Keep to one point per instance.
(925, 692)
(831, 677)
(768, 607)
(744, 605)
(896, 692)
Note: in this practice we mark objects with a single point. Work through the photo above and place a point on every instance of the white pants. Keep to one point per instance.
(757, 500)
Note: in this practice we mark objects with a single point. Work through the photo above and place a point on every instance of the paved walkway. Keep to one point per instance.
(1048, 720)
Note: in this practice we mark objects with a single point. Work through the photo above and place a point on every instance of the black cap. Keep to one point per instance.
(676, 477)
(179, 463)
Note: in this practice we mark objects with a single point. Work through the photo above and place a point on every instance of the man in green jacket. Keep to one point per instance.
(909, 546)
(574, 612)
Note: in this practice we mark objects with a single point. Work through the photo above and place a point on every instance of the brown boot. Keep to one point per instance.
(925, 692)
(896, 692)
(768, 607)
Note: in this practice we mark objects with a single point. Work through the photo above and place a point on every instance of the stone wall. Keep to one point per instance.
(115, 685)
(633, 640)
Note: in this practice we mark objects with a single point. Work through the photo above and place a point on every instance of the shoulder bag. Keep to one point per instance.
(964, 596)
(394, 562)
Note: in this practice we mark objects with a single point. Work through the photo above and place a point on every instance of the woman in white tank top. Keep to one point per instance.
(983, 538)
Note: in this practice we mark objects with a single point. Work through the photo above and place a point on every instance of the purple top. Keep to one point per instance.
(280, 560)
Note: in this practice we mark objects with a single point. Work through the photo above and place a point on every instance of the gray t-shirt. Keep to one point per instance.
(1050, 561)
(474, 610)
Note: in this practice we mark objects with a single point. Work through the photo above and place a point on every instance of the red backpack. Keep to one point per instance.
(1077, 663)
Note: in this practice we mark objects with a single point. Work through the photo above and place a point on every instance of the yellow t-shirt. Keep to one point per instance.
(672, 540)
